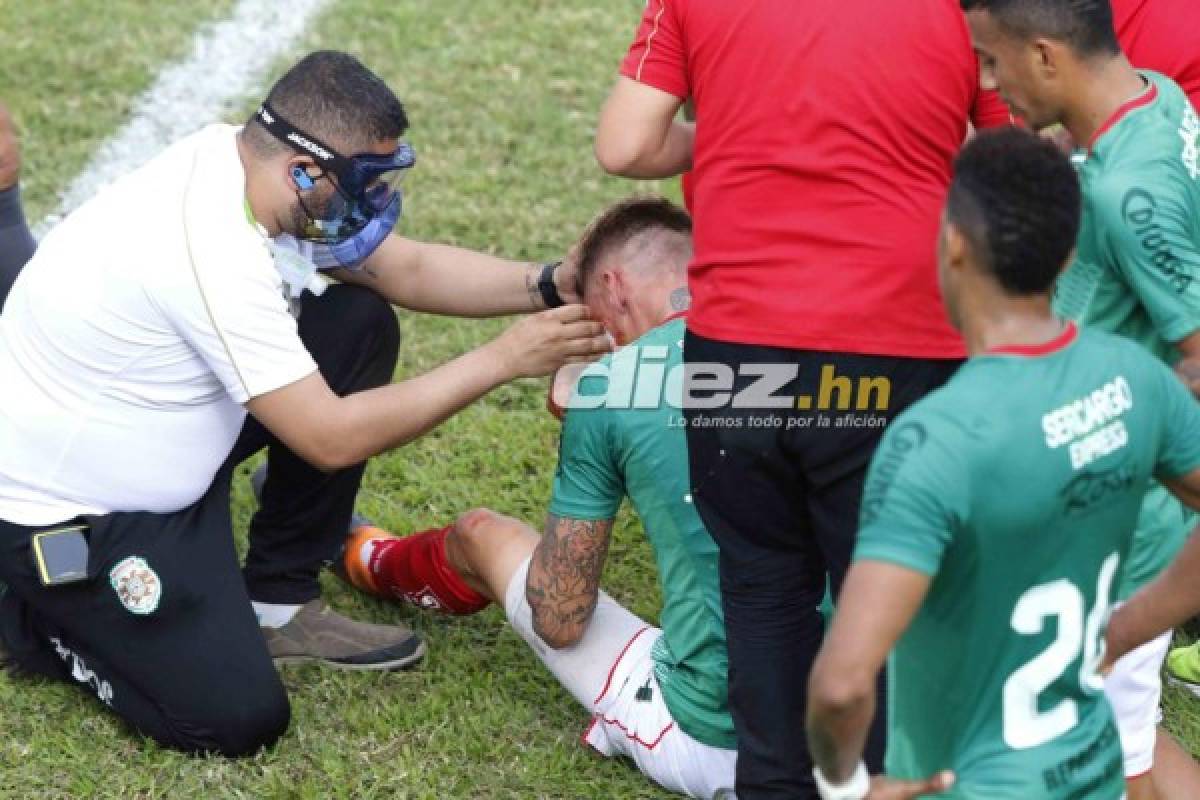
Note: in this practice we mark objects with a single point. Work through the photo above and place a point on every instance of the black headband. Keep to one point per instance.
(300, 141)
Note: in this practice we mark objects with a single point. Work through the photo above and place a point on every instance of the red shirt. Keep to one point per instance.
(826, 130)
(1162, 35)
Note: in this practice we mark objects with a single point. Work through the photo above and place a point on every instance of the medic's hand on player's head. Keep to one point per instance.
(885, 788)
(564, 380)
(541, 343)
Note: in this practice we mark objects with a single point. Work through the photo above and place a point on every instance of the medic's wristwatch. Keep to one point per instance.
(546, 286)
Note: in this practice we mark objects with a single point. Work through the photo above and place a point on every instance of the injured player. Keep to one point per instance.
(656, 695)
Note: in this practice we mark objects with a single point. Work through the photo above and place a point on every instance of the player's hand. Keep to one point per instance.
(1188, 370)
(885, 788)
(541, 343)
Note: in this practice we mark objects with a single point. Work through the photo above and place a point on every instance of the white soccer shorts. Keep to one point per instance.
(604, 672)
(1134, 689)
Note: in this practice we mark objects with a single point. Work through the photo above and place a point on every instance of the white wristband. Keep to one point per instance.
(856, 788)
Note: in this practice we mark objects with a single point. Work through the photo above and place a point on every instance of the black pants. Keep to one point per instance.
(193, 673)
(782, 502)
(354, 338)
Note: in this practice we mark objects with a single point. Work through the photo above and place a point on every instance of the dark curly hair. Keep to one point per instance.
(628, 220)
(1017, 201)
(1086, 25)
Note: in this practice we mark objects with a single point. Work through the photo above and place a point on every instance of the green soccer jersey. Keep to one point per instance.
(1016, 487)
(1135, 268)
(624, 435)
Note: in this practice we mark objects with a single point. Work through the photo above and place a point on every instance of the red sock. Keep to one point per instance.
(415, 568)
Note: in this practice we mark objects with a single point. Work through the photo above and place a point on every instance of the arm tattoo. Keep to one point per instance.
(564, 577)
(681, 298)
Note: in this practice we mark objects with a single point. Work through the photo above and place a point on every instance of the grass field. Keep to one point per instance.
(503, 98)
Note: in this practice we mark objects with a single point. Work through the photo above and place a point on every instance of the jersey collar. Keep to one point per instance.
(674, 317)
(1145, 98)
(1060, 342)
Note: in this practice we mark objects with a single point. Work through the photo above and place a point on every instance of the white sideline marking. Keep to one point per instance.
(227, 63)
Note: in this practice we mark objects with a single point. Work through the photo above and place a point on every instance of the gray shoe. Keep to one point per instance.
(318, 633)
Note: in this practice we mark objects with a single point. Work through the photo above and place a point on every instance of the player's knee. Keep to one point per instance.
(370, 321)
(379, 316)
(238, 724)
(480, 535)
(259, 724)
(475, 528)
(379, 325)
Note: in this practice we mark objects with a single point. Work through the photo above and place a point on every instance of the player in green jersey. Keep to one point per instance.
(656, 696)
(995, 518)
(1134, 273)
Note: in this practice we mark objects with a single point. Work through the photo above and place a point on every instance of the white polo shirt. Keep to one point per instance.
(133, 337)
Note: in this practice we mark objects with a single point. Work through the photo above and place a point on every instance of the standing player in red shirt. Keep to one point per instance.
(821, 152)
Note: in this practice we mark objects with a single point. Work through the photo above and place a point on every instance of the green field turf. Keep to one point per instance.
(503, 98)
(71, 69)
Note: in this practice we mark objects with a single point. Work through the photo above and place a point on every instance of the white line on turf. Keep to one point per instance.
(227, 63)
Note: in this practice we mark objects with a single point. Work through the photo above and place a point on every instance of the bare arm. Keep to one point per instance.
(638, 135)
(1175, 595)
(1188, 367)
(564, 577)
(441, 279)
(332, 432)
(1186, 488)
(877, 603)
(1169, 600)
